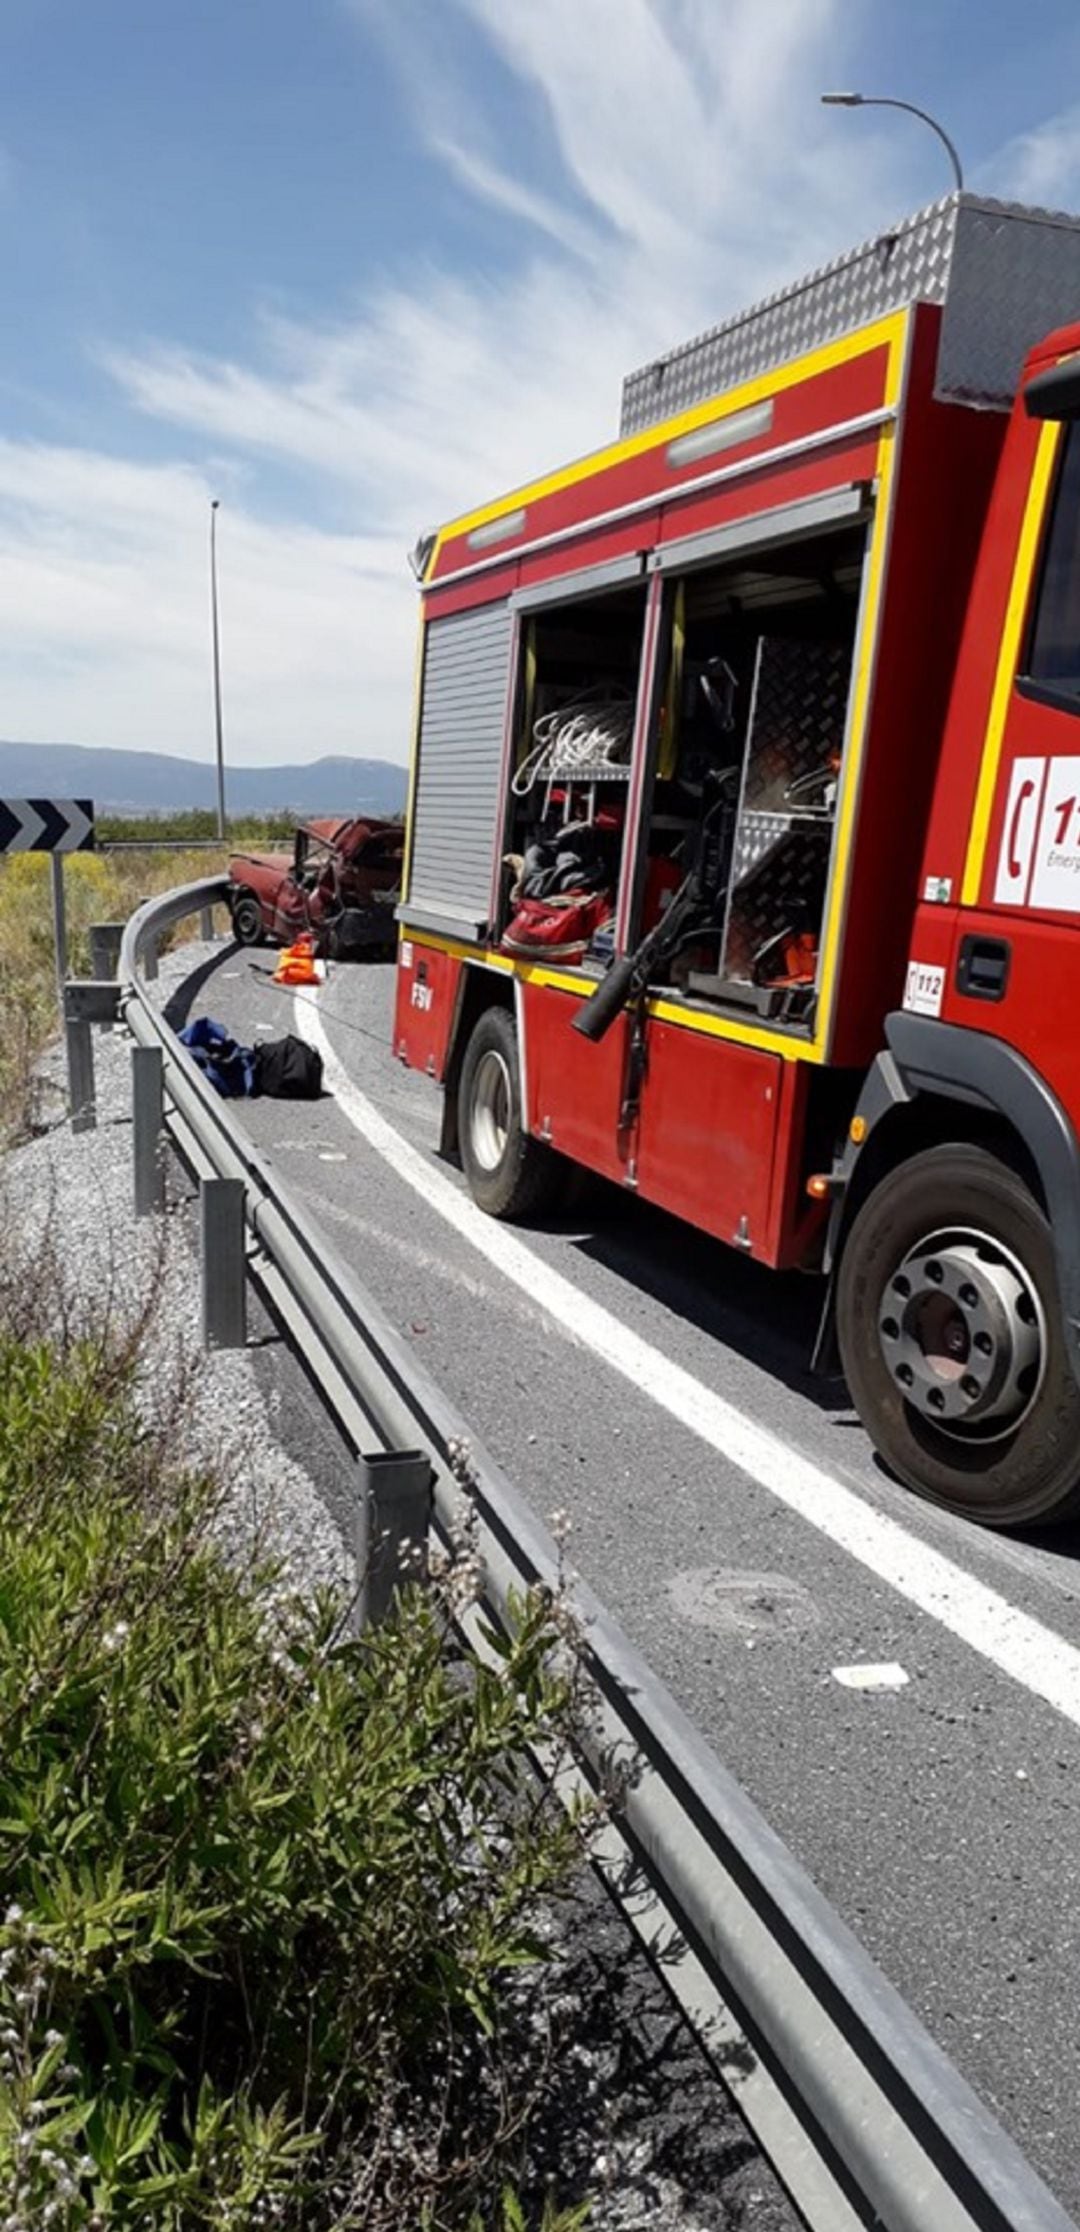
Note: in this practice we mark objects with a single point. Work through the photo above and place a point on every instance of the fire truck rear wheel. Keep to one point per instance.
(510, 1174)
(951, 1336)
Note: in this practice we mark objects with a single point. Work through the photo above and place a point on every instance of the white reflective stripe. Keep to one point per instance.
(759, 462)
(1007, 1638)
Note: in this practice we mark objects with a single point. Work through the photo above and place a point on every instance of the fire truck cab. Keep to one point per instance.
(744, 835)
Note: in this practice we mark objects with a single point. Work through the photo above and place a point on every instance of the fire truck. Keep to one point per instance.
(743, 862)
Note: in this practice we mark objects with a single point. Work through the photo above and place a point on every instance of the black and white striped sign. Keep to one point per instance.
(46, 825)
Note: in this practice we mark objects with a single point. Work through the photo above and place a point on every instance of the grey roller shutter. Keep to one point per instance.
(457, 804)
(810, 515)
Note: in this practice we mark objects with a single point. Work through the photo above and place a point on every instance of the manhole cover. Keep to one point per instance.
(737, 1603)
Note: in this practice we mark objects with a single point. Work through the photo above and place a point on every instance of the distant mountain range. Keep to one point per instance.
(154, 783)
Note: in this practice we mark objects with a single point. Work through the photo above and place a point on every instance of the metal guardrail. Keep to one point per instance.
(862, 2115)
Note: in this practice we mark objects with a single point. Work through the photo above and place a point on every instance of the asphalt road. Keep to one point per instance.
(939, 1816)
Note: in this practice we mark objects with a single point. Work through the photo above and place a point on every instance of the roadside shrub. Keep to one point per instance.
(99, 887)
(195, 825)
(263, 1885)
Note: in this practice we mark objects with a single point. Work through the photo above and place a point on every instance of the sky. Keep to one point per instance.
(353, 266)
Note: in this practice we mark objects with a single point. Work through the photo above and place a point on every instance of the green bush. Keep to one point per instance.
(263, 1883)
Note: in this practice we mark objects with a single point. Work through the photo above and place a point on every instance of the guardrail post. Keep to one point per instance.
(105, 952)
(147, 1108)
(80, 1069)
(221, 1255)
(207, 931)
(150, 961)
(105, 948)
(393, 1510)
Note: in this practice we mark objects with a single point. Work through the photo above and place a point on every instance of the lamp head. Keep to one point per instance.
(843, 100)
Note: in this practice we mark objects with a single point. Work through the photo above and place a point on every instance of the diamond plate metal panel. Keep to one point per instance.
(797, 717)
(783, 833)
(786, 889)
(757, 836)
(1015, 276)
(1005, 275)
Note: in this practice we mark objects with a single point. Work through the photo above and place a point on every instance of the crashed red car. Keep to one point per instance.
(342, 884)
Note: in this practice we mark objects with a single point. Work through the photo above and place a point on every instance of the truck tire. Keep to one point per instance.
(952, 1340)
(510, 1174)
(247, 918)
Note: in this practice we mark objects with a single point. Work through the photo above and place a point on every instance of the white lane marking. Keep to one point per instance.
(1009, 1639)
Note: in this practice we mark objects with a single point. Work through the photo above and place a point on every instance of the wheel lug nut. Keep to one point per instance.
(969, 1296)
(969, 1386)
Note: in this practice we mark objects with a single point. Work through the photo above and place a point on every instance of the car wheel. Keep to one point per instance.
(952, 1338)
(247, 918)
(510, 1174)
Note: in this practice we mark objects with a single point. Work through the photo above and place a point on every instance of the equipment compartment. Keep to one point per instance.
(783, 829)
(571, 765)
(747, 767)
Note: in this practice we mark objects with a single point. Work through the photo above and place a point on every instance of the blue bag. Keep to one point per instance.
(230, 1068)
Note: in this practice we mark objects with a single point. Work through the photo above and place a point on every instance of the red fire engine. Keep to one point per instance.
(744, 846)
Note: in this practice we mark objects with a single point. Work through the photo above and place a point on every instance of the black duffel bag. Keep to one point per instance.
(288, 1069)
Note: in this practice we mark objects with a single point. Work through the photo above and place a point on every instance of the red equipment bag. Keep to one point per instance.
(559, 927)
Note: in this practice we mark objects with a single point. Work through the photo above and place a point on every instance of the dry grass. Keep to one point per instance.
(100, 887)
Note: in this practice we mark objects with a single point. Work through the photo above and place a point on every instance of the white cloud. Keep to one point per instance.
(1041, 166)
(490, 184)
(677, 122)
(693, 137)
(680, 166)
(104, 637)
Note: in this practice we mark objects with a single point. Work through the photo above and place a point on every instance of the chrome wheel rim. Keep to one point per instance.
(492, 1101)
(963, 1334)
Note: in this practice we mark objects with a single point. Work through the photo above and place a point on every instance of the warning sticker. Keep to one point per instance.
(1039, 855)
(1055, 880)
(1018, 832)
(925, 988)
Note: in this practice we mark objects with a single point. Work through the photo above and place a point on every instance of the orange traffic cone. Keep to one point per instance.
(297, 964)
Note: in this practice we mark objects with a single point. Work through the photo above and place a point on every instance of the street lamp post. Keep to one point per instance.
(217, 671)
(881, 100)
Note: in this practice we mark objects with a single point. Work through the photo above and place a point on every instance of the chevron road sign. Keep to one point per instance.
(46, 825)
(57, 826)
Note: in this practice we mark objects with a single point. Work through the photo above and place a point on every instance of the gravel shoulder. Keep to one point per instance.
(634, 2117)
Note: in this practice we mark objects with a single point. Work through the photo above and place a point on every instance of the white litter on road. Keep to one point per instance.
(890, 1676)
